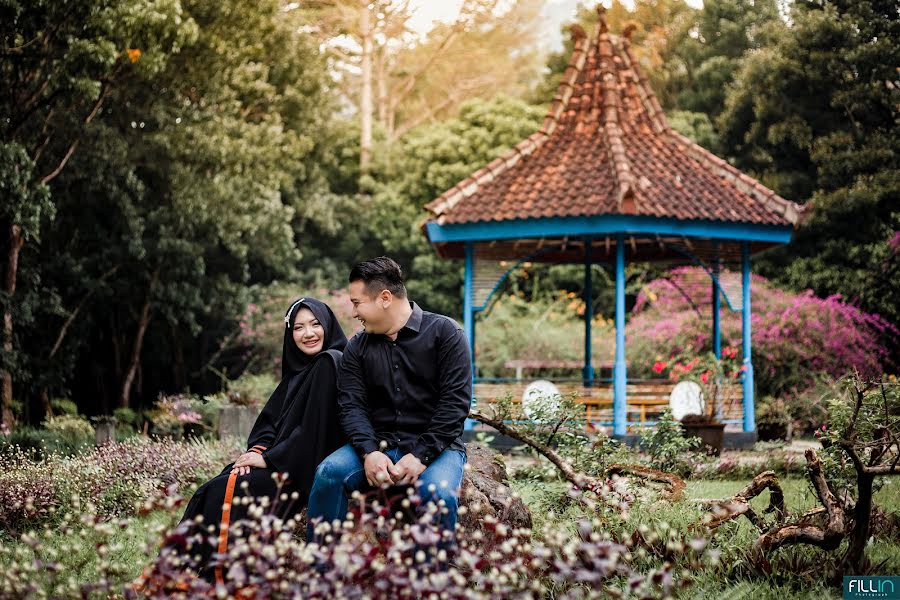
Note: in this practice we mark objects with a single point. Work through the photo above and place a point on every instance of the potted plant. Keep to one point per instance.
(711, 374)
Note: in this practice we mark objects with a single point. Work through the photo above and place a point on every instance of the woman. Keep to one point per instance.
(296, 430)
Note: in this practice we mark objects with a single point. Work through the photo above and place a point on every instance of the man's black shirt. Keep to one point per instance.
(413, 392)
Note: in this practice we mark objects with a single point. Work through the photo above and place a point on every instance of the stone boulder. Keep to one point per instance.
(485, 491)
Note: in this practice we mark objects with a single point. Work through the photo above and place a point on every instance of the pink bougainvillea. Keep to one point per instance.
(796, 336)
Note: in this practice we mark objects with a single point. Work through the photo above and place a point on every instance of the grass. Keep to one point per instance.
(128, 545)
(796, 570)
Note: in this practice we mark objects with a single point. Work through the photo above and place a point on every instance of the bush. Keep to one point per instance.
(667, 447)
(36, 443)
(797, 338)
(73, 431)
(116, 478)
(63, 406)
(251, 390)
(186, 414)
(540, 328)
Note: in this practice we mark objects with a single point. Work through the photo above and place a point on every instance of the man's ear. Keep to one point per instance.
(385, 298)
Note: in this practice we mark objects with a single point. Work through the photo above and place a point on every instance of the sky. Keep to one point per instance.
(554, 14)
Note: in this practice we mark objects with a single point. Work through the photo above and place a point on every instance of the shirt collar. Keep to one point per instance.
(415, 319)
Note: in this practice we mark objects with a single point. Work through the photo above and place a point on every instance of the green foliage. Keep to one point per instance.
(251, 390)
(825, 130)
(666, 445)
(72, 430)
(64, 406)
(127, 417)
(559, 422)
(874, 412)
(548, 327)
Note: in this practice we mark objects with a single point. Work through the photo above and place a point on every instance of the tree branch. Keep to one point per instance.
(577, 479)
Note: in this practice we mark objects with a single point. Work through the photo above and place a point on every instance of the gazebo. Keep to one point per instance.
(606, 179)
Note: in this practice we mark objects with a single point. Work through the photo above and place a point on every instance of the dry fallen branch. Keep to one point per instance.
(577, 479)
(827, 536)
(739, 504)
(674, 484)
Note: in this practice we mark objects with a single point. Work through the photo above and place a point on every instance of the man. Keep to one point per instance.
(404, 390)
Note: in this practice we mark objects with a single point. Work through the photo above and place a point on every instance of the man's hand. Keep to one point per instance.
(407, 470)
(247, 460)
(378, 467)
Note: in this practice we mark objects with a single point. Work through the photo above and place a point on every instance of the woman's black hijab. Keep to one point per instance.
(293, 360)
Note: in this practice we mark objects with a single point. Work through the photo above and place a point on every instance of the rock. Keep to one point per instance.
(237, 421)
(485, 491)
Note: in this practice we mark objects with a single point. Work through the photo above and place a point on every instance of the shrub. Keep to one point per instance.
(115, 477)
(251, 390)
(796, 337)
(541, 327)
(667, 447)
(74, 431)
(180, 414)
(64, 406)
(372, 555)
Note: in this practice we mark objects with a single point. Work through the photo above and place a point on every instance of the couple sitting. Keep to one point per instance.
(398, 392)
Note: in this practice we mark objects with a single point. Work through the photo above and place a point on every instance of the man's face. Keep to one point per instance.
(367, 309)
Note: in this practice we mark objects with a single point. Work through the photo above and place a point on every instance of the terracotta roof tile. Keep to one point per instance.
(605, 148)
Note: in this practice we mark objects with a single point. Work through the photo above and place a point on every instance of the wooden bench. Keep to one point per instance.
(644, 399)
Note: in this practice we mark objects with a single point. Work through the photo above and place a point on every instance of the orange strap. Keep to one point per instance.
(226, 520)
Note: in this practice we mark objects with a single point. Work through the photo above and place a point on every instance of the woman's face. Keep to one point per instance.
(309, 335)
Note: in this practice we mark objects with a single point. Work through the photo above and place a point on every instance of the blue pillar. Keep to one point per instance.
(588, 372)
(747, 379)
(620, 410)
(716, 310)
(469, 315)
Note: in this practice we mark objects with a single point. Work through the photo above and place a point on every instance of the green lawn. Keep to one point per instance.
(795, 570)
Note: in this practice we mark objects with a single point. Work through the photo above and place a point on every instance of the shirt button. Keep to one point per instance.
(396, 367)
(397, 388)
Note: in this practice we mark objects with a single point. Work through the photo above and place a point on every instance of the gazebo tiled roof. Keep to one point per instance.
(605, 148)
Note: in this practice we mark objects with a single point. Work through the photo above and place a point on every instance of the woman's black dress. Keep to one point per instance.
(296, 430)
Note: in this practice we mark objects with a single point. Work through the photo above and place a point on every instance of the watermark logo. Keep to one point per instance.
(880, 588)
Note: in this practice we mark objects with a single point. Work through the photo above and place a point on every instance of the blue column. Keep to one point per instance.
(469, 315)
(588, 372)
(620, 410)
(716, 310)
(747, 379)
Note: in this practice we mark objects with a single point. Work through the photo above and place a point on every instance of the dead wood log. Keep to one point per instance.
(674, 484)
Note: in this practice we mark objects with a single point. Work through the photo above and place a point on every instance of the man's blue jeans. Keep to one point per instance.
(342, 473)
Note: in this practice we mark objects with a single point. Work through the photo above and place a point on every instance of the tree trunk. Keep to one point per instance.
(381, 84)
(16, 240)
(179, 370)
(143, 321)
(862, 518)
(367, 35)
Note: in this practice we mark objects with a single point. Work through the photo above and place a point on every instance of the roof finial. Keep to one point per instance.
(601, 14)
(629, 29)
(577, 32)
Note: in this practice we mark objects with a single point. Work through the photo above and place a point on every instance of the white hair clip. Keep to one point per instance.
(287, 317)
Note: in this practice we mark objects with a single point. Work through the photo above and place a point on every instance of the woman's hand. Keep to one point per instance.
(247, 460)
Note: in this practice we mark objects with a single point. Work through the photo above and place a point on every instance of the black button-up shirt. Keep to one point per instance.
(413, 392)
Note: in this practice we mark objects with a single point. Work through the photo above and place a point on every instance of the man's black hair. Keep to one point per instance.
(382, 273)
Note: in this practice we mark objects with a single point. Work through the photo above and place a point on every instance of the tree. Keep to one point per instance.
(399, 81)
(60, 63)
(826, 131)
(184, 193)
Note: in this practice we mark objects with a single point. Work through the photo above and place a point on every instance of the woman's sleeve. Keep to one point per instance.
(318, 416)
(263, 433)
